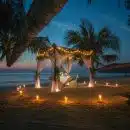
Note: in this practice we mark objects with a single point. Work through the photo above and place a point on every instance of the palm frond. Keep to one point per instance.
(86, 28)
(38, 43)
(108, 40)
(73, 38)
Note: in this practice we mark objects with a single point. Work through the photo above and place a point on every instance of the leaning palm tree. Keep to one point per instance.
(26, 26)
(87, 39)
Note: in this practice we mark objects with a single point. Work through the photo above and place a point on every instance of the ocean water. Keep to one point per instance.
(18, 77)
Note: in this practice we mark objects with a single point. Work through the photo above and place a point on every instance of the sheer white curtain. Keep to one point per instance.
(88, 64)
(40, 67)
(57, 61)
(68, 65)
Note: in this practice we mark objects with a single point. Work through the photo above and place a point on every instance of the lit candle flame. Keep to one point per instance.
(21, 92)
(100, 97)
(37, 97)
(66, 99)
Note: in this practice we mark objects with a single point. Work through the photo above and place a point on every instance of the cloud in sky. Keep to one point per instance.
(125, 28)
(64, 26)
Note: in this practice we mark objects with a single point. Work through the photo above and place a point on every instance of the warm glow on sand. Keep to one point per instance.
(90, 85)
(57, 89)
(38, 99)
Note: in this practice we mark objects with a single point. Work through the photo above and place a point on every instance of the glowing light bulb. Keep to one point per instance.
(100, 97)
(66, 99)
(37, 97)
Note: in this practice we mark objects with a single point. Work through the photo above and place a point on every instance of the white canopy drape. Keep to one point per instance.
(40, 67)
(57, 61)
(68, 65)
(88, 64)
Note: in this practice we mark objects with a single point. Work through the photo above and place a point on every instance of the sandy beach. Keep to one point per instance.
(82, 111)
(64, 65)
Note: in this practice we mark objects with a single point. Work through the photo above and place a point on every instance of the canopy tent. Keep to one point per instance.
(115, 68)
(58, 56)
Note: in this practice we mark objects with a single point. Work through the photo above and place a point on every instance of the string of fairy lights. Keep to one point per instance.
(63, 50)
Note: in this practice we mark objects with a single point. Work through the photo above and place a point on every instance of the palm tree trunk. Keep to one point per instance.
(37, 76)
(16, 54)
(43, 15)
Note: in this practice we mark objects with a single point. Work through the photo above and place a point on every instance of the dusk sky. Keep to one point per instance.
(101, 13)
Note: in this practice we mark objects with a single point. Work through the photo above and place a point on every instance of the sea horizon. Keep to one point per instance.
(15, 77)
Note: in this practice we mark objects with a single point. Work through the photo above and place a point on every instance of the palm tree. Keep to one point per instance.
(87, 39)
(12, 26)
(26, 26)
